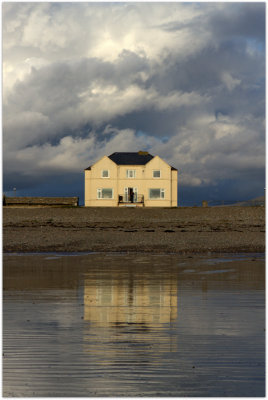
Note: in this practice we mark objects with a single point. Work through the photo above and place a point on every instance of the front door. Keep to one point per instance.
(130, 195)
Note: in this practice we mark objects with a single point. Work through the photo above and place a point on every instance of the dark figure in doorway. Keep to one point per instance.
(131, 195)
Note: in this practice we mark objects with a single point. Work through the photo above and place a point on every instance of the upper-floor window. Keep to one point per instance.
(131, 173)
(105, 173)
(156, 173)
(156, 193)
(105, 193)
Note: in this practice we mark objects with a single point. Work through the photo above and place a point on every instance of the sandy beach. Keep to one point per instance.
(176, 230)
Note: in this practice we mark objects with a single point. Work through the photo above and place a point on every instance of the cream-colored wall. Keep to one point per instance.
(122, 175)
(164, 182)
(174, 185)
(137, 182)
(87, 187)
(94, 181)
(130, 182)
(143, 182)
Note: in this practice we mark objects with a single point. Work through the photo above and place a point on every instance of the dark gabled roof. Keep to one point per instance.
(88, 168)
(174, 169)
(138, 158)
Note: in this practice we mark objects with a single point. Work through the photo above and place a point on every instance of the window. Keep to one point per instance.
(155, 194)
(105, 193)
(131, 173)
(105, 173)
(156, 173)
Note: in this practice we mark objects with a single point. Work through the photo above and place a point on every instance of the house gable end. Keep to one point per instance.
(104, 160)
(159, 160)
(104, 166)
(96, 163)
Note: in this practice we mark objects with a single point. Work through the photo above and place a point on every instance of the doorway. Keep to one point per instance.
(130, 195)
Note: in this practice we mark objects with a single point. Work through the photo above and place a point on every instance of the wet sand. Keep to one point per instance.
(180, 230)
(133, 325)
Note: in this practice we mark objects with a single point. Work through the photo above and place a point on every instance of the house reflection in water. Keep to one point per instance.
(129, 315)
(132, 300)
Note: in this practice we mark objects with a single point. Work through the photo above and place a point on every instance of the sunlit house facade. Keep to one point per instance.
(131, 179)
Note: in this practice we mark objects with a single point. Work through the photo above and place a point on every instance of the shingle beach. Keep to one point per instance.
(182, 230)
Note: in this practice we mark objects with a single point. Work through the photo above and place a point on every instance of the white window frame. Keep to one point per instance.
(161, 192)
(125, 194)
(105, 177)
(157, 170)
(135, 191)
(131, 172)
(99, 194)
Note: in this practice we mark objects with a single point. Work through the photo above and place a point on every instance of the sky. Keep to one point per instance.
(185, 81)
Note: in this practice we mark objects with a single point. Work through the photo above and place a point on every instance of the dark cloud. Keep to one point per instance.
(185, 81)
(244, 21)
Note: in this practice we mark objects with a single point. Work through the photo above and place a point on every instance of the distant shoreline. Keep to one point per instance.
(187, 230)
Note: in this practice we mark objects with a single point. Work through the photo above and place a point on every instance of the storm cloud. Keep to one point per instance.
(185, 81)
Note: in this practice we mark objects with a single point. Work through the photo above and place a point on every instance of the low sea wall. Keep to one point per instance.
(40, 201)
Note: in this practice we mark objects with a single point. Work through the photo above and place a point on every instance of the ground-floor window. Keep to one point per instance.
(156, 194)
(105, 193)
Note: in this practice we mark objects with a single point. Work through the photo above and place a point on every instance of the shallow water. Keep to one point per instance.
(133, 325)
